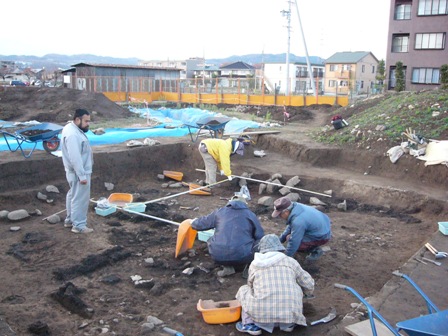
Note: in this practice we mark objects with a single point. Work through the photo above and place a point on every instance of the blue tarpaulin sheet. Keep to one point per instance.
(176, 119)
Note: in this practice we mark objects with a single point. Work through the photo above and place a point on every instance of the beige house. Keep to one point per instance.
(350, 73)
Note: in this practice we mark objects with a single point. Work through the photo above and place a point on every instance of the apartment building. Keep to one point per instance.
(417, 38)
(186, 67)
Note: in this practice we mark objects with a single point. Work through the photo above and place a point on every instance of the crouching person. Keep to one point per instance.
(273, 296)
(237, 233)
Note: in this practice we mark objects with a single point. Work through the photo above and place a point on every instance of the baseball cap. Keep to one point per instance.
(281, 204)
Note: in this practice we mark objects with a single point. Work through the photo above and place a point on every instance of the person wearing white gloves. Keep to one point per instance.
(216, 154)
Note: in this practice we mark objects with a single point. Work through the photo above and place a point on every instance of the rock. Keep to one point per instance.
(99, 131)
(160, 176)
(111, 279)
(284, 191)
(259, 153)
(293, 181)
(154, 320)
(53, 219)
(109, 186)
(14, 228)
(294, 197)
(4, 214)
(188, 271)
(17, 215)
(261, 188)
(150, 142)
(149, 261)
(147, 328)
(316, 201)
(52, 188)
(328, 192)
(266, 201)
(176, 185)
(319, 207)
(41, 196)
(271, 188)
(276, 176)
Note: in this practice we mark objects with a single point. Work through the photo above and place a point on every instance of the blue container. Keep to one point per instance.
(136, 207)
(105, 211)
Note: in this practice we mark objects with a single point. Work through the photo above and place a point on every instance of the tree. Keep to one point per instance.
(380, 75)
(399, 77)
(444, 76)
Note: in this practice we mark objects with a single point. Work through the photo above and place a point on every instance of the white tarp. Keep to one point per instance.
(436, 153)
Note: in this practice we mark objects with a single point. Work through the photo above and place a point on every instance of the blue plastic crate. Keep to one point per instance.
(443, 227)
(105, 211)
(136, 207)
(205, 235)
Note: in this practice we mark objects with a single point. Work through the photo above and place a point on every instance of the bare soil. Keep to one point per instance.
(59, 283)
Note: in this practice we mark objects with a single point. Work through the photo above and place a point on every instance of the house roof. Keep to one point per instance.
(237, 66)
(98, 65)
(206, 68)
(349, 57)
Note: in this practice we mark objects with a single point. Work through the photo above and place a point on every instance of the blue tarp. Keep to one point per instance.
(176, 118)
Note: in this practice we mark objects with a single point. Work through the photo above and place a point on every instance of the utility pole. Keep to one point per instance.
(287, 14)
(310, 73)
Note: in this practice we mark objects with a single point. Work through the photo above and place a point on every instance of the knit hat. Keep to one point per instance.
(270, 243)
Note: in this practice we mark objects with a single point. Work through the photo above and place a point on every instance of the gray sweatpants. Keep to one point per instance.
(210, 168)
(77, 201)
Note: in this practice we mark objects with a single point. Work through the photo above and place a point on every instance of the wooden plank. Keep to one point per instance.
(364, 329)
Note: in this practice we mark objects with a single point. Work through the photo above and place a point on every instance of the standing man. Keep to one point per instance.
(237, 233)
(216, 155)
(307, 228)
(78, 161)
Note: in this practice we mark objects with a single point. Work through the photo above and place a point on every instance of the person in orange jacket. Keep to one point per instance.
(216, 154)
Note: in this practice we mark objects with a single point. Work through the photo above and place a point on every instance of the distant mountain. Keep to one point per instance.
(266, 58)
(56, 61)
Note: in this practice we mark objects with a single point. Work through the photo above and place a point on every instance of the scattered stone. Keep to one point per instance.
(380, 128)
(271, 188)
(53, 219)
(188, 271)
(328, 192)
(111, 279)
(319, 207)
(4, 214)
(149, 261)
(41, 196)
(160, 176)
(294, 197)
(261, 188)
(326, 248)
(52, 189)
(276, 176)
(36, 212)
(165, 185)
(147, 328)
(342, 206)
(49, 201)
(154, 320)
(14, 228)
(83, 325)
(316, 201)
(293, 181)
(17, 215)
(176, 185)
(266, 201)
(284, 191)
(109, 186)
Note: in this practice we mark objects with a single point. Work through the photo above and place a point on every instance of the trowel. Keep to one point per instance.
(330, 317)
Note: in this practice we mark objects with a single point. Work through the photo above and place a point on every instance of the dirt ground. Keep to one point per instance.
(55, 282)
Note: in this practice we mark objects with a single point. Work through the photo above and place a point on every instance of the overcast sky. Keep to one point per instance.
(180, 29)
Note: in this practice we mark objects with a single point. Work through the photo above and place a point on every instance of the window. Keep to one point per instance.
(430, 41)
(343, 83)
(361, 86)
(333, 67)
(432, 7)
(400, 43)
(332, 83)
(363, 68)
(426, 76)
(403, 12)
(373, 69)
(346, 67)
